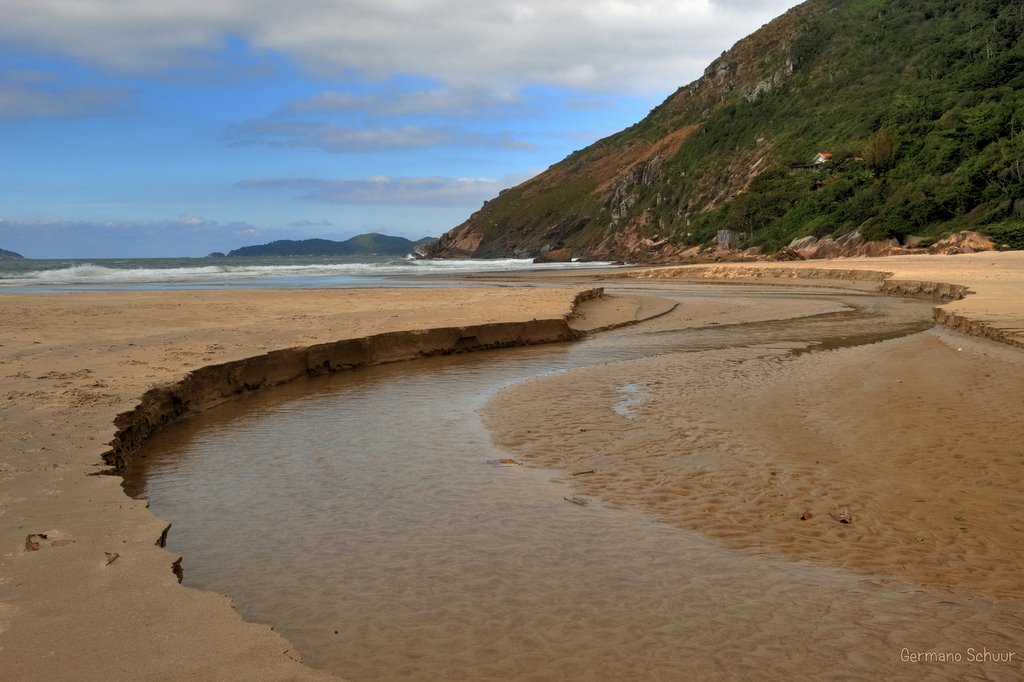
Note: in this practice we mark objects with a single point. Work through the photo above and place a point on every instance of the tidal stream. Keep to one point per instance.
(363, 516)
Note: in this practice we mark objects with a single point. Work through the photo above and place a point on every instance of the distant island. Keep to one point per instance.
(10, 255)
(360, 245)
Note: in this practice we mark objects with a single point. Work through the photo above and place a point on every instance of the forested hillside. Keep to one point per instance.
(916, 108)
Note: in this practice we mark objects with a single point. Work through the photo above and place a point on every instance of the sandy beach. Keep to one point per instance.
(916, 436)
(86, 593)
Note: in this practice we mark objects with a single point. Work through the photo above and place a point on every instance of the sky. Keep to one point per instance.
(157, 128)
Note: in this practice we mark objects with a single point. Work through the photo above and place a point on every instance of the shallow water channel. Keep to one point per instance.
(360, 515)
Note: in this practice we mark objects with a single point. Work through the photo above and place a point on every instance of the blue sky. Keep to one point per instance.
(149, 128)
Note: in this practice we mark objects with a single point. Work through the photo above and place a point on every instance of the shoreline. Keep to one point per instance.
(71, 590)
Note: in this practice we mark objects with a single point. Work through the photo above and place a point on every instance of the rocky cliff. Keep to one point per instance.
(890, 118)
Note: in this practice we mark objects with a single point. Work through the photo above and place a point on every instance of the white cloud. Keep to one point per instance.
(334, 137)
(423, 191)
(33, 93)
(599, 45)
(303, 222)
(459, 102)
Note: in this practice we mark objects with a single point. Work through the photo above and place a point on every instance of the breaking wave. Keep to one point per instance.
(288, 274)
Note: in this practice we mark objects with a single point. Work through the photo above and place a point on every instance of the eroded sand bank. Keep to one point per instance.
(85, 593)
(97, 599)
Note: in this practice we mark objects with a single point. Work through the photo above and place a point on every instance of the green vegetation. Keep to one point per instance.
(921, 105)
(919, 102)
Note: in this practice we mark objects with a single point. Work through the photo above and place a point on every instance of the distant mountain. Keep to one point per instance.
(887, 117)
(371, 244)
(9, 255)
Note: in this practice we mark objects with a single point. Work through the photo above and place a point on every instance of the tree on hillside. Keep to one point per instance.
(881, 150)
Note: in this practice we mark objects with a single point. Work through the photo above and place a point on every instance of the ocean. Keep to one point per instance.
(34, 276)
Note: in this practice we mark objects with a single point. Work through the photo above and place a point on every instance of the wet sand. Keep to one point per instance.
(916, 437)
(85, 593)
(95, 599)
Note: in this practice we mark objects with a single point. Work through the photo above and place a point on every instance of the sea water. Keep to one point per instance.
(31, 275)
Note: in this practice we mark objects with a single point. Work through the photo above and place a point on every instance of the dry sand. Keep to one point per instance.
(96, 599)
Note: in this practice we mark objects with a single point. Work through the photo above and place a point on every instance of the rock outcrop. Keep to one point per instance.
(853, 245)
(562, 255)
(963, 242)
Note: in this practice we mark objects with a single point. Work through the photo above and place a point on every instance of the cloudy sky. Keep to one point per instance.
(137, 128)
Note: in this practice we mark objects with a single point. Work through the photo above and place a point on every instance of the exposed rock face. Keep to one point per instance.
(788, 254)
(963, 242)
(462, 242)
(853, 245)
(554, 256)
(763, 87)
(849, 245)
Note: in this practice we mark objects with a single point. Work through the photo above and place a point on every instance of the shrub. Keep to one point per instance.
(881, 150)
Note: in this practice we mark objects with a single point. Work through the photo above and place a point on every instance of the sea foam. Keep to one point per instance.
(141, 272)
